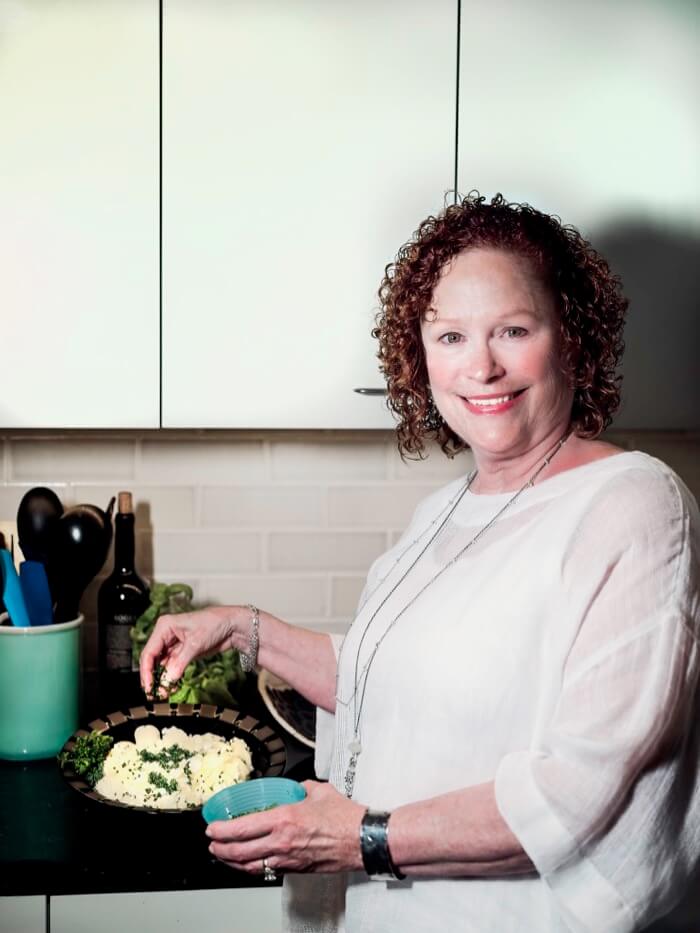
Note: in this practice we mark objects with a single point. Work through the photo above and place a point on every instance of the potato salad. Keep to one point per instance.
(172, 771)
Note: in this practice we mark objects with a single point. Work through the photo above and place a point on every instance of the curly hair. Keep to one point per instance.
(588, 297)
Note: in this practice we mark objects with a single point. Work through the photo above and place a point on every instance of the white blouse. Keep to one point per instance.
(559, 658)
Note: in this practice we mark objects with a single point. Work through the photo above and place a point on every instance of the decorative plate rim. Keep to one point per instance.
(267, 679)
(243, 722)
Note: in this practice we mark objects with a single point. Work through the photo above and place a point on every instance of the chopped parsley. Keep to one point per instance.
(159, 780)
(158, 683)
(170, 757)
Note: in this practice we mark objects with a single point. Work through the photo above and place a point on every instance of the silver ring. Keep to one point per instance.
(269, 873)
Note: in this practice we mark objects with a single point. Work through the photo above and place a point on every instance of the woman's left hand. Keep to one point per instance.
(320, 834)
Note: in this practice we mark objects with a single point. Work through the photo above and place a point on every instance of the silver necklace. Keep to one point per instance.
(450, 507)
(355, 745)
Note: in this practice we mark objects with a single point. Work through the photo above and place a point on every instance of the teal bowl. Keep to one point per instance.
(251, 796)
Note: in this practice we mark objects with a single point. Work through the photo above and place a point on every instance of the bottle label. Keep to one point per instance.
(118, 643)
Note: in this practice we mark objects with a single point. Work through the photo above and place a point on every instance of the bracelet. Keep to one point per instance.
(249, 658)
(374, 844)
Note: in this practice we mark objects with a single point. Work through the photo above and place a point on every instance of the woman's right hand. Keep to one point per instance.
(178, 639)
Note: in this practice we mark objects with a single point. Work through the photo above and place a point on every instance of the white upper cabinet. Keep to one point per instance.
(302, 143)
(79, 214)
(589, 111)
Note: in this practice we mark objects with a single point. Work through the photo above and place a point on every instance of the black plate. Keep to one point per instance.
(267, 747)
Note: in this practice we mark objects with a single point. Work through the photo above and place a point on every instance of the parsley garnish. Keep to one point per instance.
(87, 757)
(158, 780)
(169, 758)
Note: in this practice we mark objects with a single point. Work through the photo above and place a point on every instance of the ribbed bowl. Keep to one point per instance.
(250, 797)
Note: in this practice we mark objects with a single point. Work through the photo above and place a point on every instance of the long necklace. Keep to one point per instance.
(355, 745)
(450, 508)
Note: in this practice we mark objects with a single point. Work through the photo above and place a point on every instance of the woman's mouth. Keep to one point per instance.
(492, 404)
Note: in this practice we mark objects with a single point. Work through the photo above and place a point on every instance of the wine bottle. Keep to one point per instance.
(121, 599)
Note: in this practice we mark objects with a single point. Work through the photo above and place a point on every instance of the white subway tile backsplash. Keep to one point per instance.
(290, 521)
(324, 550)
(156, 507)
(284, 596)
(196, 552)
(55, 461)
(263, 506)
(331, 626)
(437, 467)
(345, 595)
(383, 506)
(196, 462)
(328, 462)
(11, 496)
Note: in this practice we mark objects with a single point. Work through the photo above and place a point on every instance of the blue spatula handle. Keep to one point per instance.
(35, 589)
(12, 591)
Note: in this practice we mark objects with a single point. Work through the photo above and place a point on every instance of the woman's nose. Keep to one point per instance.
(482, 365)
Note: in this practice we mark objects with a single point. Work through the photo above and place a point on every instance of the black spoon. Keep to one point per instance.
(37, 517)
(78, 551)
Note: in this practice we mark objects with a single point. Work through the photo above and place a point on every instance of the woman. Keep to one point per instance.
(508, 726)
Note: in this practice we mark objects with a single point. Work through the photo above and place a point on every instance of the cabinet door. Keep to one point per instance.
(23, 914)
(238, 910)
(79, 214)
(302, 144)
(589, 111)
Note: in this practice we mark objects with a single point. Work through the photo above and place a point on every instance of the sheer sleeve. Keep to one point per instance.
(606, 802)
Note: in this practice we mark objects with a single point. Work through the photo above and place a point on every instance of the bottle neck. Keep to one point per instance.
(124, 542)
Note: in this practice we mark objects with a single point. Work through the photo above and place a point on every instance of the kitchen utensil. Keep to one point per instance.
(266, 745)
(250, 796)
(12, 591)
(9, 539)
(35, 589)
(77, 551)
(39, 510)
(39, 689)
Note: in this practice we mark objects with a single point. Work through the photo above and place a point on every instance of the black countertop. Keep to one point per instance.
(54, 840)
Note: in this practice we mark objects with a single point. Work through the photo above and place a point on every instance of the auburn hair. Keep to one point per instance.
(588, 298)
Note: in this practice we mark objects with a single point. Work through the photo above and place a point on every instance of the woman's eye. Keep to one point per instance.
(452, 337)
(515, 332)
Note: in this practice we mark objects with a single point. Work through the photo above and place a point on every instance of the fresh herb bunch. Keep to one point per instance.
(205, 680)
(87, 757)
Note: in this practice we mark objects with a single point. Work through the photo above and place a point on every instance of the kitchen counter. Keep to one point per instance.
(54, 840)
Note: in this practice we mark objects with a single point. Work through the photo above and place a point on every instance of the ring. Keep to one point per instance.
(269, 873)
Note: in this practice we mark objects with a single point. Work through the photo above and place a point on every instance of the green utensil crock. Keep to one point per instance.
(39, 688)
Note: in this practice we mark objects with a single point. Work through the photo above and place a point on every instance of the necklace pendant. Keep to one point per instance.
(355, 747)
(350, 773)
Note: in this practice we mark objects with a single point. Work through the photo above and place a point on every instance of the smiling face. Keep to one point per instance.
(492, 354)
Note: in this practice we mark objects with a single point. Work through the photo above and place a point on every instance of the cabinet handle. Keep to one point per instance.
(364, 390)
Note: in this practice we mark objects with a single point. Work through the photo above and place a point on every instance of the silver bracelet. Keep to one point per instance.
(249, 658)
(374, 845)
